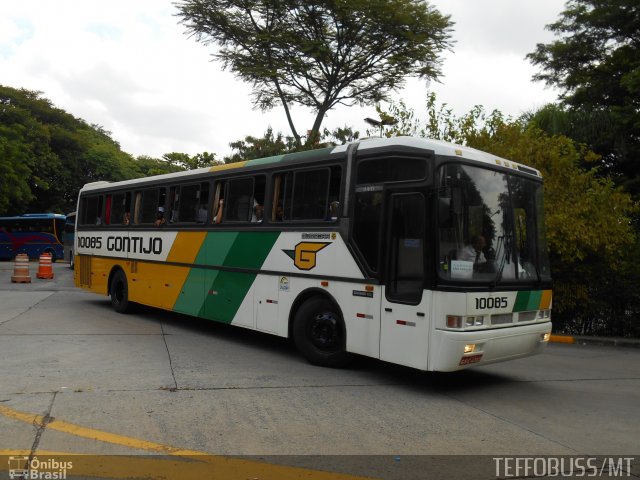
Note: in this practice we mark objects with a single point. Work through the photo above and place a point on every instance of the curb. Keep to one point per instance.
(585, 340)
(562, 339)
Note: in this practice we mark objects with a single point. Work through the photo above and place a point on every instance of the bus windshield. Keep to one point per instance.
(490, 227)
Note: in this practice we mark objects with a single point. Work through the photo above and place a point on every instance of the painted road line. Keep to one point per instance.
(187, 464)
(80, 431)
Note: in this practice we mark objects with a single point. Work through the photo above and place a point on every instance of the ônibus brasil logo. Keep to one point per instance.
(50, 469)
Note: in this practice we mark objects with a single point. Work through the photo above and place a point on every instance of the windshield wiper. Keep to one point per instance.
(503, 262)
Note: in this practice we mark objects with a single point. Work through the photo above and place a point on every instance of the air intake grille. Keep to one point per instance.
(85, 270)
(501, 319)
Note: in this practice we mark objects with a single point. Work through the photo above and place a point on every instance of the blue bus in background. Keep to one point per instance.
(33, 234)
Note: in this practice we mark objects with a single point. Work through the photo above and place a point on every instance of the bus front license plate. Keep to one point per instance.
(470, 359)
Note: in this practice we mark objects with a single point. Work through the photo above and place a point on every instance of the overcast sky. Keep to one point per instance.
(128, 66)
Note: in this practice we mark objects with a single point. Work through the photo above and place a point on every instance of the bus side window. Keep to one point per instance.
(120, 208)
(192, 205)
(238, 204)
(218, 203)
(188, 202)
(92, 210)
(334, 194)
(203, 202)
(310, 194)
(148, 204)
(281, 196)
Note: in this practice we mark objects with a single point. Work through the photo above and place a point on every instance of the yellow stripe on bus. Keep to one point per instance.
(227, 166)
(186, 247)
(545, 301)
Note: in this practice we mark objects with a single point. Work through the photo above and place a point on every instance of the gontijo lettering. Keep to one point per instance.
(151, 245)
(135, 245)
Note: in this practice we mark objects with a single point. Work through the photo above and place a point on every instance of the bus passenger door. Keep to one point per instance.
(405, 313)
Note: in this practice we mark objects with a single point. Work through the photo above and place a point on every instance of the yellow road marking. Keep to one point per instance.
(80, 431)
(189, 464)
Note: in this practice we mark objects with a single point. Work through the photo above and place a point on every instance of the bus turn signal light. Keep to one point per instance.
(454, 321)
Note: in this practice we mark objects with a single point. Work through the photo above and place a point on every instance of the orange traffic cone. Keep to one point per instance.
(21, 269)
(45, 270)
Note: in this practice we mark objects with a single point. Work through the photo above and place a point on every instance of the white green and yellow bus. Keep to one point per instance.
(413, 251)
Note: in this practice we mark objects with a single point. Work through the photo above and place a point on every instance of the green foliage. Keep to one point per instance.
(596, 64)
(46, 155)
(270, 145)
(147, 166)
(339, 135)
(188, 162)
(260, 147)
(586, 215)
(323, 53)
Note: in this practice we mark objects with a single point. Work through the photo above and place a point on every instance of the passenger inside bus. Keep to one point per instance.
(258, 213)
(473, 252)
(218, 216)
(333, 210)
(279, 213)
(160, 220)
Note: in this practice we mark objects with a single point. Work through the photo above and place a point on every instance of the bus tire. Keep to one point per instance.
(319, 333)
(119, 291)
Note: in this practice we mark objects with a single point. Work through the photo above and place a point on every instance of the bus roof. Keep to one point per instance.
(438, 147)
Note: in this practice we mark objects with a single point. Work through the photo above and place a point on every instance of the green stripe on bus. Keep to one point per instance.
(228, 289)
(213, 251)
(527, 301)
(264, 161)
(217, 294)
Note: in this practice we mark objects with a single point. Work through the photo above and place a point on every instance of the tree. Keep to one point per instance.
(319, 54)
(46, 155)
(147, 166)
(188, 162)
(260, 147)
(596, 64)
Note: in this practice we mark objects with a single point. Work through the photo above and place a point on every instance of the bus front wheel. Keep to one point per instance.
(319, 333)
(119, 291)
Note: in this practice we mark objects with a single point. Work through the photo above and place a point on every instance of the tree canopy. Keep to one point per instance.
(47, 155)
(595, 63)
(319, 54)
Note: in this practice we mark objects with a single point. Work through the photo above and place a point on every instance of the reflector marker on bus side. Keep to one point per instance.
(405, 323)
(364, 315)
(275, 302)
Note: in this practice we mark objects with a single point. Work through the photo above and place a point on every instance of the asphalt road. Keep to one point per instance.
(77, 377)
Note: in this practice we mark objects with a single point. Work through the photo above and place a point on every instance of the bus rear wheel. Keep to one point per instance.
(319, 333)
(119, 290)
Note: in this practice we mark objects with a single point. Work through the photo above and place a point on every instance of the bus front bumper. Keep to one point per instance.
(453, 350)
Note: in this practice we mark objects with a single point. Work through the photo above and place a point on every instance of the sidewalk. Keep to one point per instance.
(587, 340)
